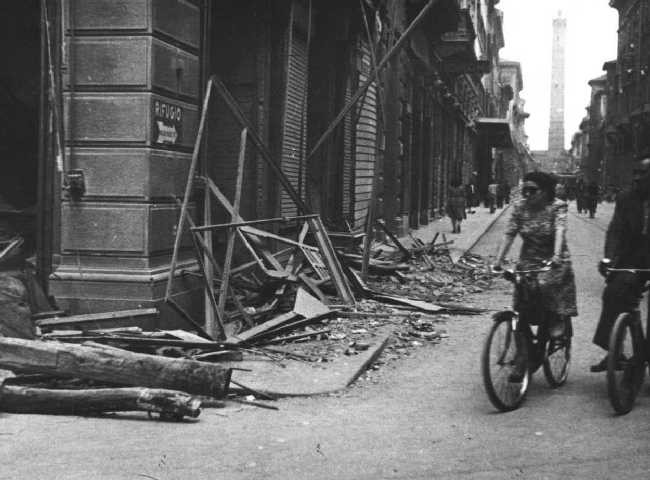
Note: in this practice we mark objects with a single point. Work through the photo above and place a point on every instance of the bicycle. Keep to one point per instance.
(629, 351)
(536, 348)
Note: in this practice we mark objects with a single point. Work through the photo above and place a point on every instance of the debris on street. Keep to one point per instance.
(288, 304)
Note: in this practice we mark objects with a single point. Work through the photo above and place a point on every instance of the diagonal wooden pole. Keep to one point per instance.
(370, 219)
(225, 278)
(188, 188)
(263, 150)
(372, 77)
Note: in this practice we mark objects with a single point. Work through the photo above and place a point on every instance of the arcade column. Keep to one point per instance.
(131, 103)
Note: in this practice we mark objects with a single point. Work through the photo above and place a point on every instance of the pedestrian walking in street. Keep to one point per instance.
(506, 192)
(470, 197)
(492, 196)
(541, 221)
(500, 195)
(627, 245)
(456, 205)
(580, 195)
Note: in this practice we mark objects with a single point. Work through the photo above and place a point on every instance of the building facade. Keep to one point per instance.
(593, 163)
(513, 163)
(120, 95)
(627, 119)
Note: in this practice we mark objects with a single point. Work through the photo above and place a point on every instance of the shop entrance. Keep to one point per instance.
(20, 87)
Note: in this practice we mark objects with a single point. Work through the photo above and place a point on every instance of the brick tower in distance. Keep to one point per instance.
(556, 125)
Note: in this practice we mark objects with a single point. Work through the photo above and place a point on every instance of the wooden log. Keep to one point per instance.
(113, 366)
(169, 403)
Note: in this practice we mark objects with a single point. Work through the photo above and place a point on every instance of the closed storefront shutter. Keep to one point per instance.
(294, 121)
(366, 138)
(348, 162)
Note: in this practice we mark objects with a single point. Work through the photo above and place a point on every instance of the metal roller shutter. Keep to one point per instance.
(366, 138)
(294, 126)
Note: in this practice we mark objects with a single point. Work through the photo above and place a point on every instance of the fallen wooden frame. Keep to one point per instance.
(306, 309)
(329, 258)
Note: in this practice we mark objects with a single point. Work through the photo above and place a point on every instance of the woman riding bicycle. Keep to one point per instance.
(541, 221)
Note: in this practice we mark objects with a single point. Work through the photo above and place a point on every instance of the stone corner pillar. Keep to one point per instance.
(131, 103)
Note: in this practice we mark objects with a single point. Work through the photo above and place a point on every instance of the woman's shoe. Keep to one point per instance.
(600, 366)
(518, 374)
(556, 344)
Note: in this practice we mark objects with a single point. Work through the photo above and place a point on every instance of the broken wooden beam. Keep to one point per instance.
(113, 366)
(94, 320)
(405, 251)
(169, 403)
(378, 267)
(138, 342)
(298, 336)
(249, 334)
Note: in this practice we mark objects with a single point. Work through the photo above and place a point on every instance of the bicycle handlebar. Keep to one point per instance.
(629, 270)
(544, 268)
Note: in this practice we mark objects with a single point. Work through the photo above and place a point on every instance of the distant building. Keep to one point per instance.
(627, 119)
(579, 152)
(513, 163)
(591, 166)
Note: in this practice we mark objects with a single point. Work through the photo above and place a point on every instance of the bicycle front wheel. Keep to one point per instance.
(557, 358)
(498, 363)
(625, 362)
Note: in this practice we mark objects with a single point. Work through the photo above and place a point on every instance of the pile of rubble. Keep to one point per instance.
(306, 303)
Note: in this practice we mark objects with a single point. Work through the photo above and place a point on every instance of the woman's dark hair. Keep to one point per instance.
(546, 182)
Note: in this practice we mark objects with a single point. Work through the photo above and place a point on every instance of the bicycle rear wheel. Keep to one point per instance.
(557, 357)
(625, 362)
(498, 362)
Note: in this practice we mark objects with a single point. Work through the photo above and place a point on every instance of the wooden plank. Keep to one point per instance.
(262, 327)
(188, 188)
(94, 317)
(312, 285)
(332, 261)
(225, 277)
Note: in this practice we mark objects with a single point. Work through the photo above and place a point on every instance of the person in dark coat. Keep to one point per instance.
(591, 198)
(627, 245)
(470, 197)
(506, 192)
(456, 205)
(580, 195)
